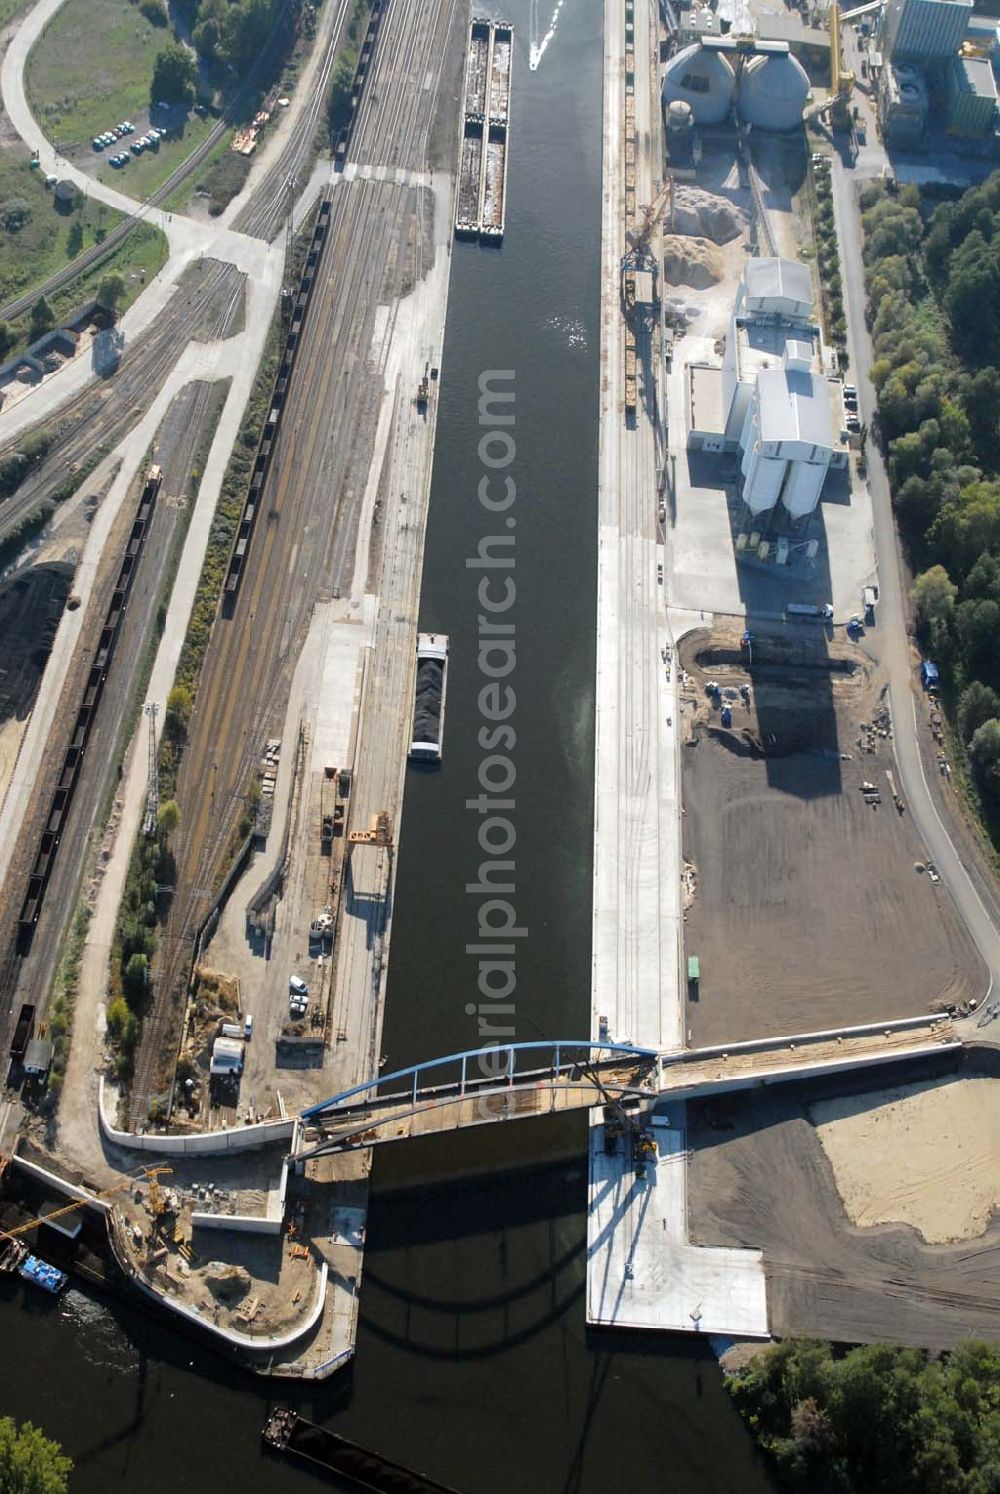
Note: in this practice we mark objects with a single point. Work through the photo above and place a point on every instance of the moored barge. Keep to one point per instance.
(287, 1432)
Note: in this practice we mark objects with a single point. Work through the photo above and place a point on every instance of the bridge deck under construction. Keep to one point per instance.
(365, 1116)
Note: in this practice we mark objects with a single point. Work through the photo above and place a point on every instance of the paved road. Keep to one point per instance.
(893, 640)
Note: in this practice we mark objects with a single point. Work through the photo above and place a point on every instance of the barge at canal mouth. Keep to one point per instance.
(481, 196)
(431, 689)
(287, 1432)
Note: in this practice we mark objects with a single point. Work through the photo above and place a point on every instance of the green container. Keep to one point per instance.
(694, 968)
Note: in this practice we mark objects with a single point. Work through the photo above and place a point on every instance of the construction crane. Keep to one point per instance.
(157, 1199)
(841, 78)
(146, 1172)
(618, 1122)
(638, 240)
(639, 256)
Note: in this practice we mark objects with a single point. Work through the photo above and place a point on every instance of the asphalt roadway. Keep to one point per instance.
(965, 881)
(303, 547)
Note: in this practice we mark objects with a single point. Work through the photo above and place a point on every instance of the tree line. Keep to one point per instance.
(875, 1420)
(933, 282)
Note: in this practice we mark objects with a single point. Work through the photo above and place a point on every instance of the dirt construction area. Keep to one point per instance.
(760, 1176)
(808, 900)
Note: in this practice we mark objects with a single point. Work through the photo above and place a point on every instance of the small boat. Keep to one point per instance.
(42, 1274)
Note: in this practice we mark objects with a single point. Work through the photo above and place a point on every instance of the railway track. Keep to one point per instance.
(304, 547)
(35, 969)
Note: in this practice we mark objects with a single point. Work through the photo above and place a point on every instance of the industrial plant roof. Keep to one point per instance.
(772, 26)
(975, 75)
(794, 406)
(768, 276)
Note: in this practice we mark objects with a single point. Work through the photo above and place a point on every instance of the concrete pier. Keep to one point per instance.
(641, 1271)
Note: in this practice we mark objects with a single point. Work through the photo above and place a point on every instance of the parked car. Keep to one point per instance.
(248, 1027)
(297, 985)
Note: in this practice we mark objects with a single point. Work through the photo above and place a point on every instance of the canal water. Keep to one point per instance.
(473, 1360)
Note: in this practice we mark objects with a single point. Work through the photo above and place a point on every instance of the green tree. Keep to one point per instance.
(875, 1419)
(74, 239)
(169, 817)
(175, 75)
(111, 290)
(30, 1462)
(977, 704)
(984, 749)
(42, 317)
(180, 704)
(934, 594)
(134, 976)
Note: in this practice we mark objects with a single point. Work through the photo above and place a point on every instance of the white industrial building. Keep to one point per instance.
(774, 400)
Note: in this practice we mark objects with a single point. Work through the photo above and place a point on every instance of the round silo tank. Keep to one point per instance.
(704, 80)
(773, 92)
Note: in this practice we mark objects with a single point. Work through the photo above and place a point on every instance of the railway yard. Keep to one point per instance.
(751, 823)
(310, 663)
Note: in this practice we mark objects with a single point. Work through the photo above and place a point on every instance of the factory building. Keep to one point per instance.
(902, 103)
(925, 31)
(773, 401)
(972, 97)
(697, 21)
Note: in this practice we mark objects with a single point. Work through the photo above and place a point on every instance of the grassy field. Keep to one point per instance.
(221, 175)
(143, 253)
(93, 67)
(9, 9)
(141, 256)
(46, 239)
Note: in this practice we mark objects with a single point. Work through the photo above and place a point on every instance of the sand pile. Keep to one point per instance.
(702, 215)
(691, 261)
(923, 1154)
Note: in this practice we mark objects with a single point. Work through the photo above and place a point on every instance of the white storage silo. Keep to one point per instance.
(800, 494)
(702, 79)
(773, 92)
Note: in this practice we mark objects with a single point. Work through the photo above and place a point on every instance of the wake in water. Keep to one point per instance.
(537, 47)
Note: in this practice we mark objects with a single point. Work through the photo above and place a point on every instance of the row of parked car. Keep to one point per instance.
(851, 408)
(149, 141)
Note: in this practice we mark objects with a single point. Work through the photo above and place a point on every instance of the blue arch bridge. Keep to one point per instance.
(524, 1080)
